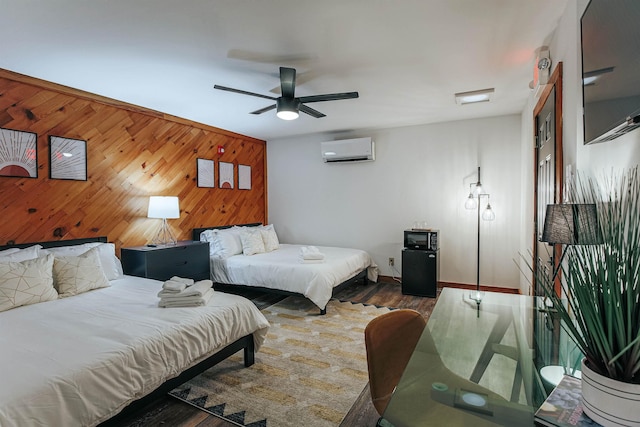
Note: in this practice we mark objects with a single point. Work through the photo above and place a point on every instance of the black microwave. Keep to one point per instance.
(424, 240)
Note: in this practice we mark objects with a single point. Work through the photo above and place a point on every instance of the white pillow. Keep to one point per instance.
(110, 264)
(73, 275)
(252, 242)
(270, 238)
(17, 255)
(9, 251)
(223, 243)
(26, 282)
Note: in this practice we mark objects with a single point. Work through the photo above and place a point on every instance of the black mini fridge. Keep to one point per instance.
(420, 272)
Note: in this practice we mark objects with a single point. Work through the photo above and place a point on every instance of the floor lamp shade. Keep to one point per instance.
(571, 224)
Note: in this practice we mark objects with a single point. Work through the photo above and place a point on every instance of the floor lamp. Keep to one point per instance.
(570, 224)
(476, 193)
(164, 207)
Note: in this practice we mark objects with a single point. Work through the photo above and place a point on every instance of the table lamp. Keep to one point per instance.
(164, 207)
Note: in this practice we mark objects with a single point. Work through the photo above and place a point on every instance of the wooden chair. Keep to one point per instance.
(390, 339)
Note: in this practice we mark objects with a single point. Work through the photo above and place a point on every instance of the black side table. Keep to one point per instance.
(189, 259)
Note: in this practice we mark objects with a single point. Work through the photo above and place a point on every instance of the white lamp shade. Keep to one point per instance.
(163, 207)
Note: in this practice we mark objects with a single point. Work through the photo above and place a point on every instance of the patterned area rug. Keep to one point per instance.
(309, 371)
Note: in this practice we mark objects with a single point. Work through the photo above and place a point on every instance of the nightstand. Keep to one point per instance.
(189, 259)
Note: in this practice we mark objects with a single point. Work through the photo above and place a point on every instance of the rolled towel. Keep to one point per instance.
(169, 302)
(196, 290)
(311, 254)
(187, 282)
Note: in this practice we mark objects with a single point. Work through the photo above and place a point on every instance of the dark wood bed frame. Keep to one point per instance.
(223, 286)
(245, 343)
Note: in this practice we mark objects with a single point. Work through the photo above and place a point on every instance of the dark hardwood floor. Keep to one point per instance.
(168, 411)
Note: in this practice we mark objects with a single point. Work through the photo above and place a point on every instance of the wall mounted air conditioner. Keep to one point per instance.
(348, 150)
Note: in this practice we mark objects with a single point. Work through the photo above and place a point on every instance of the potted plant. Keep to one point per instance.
(599, 305)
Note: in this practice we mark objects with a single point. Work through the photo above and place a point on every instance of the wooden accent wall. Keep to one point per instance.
(132, 153)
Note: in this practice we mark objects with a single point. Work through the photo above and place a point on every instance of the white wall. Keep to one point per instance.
(421, 173)
(596, 159)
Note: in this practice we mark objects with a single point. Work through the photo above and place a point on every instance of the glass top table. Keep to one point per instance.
(473, 365)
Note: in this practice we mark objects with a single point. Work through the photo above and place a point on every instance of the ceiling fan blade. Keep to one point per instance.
(310, 111)
(328, 97)
(301, 78)
(264, 110)
(288, 82)
(243, 92)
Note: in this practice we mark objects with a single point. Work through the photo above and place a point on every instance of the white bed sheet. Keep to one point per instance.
(80, 360)
(281, 269)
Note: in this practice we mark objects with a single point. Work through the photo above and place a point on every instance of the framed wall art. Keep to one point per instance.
(244, 177)
(226, 175)
(206, 170)
(67, 158)
(18, 153)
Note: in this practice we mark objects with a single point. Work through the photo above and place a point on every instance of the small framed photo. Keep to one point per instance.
(244, 177)
(18, 153)
(67, 158)
(226, 175)
(206, 175)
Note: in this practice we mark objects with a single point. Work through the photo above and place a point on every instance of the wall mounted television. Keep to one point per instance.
(610, 68)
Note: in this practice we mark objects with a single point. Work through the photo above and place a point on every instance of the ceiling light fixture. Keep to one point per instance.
(483, 95)
(287, 108)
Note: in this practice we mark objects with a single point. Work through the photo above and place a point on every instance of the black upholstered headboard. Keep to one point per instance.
(57, 243)
(196, 231)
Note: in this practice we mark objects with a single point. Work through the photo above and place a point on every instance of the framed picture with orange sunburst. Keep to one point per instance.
(18, 153)
(226, 175)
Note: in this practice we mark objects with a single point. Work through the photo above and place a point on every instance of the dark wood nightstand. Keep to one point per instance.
(189, 259)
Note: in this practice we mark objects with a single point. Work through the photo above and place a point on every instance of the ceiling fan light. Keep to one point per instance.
(287, 108)
(287, 115)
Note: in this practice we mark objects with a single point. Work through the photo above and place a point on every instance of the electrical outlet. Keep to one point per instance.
(392, 261)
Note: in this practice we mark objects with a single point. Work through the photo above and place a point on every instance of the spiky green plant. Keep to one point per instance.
(600, 302)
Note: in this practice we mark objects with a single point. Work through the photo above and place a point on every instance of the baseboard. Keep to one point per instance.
(458, 285)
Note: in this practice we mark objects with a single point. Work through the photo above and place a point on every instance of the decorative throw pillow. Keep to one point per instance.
(73, 275)
(17, 255)
(109, 263)
(252, 242)
(270, 238)
(26, 282)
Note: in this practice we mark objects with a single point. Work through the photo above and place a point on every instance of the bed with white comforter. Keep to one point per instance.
(282, 269)
(81, 360)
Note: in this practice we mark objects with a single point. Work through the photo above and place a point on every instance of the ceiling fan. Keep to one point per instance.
(288, 107)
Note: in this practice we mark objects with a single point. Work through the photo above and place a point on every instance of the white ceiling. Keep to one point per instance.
(406, 58)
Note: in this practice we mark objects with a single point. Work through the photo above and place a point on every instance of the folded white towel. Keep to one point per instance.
(173, 286)
(187, 282)
(196, 290)
(168, 302)
(311, 252)
(311, 261)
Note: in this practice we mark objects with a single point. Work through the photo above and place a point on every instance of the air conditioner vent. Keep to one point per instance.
(348, 150)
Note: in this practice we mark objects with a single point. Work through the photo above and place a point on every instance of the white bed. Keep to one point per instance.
(80, 360)
(282, 269)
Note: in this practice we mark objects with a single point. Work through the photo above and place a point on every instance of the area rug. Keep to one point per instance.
(309, 371)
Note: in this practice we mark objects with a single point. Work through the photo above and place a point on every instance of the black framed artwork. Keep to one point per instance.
(244, 177)
(18, 153)
(206, 169)
(67, 158)
(226, 175)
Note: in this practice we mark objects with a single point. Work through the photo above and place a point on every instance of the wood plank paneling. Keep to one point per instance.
(132, 153)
